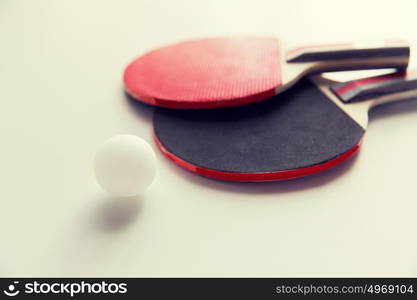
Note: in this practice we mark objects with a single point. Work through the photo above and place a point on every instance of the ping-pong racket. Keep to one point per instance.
(311, 127)
(224, 72)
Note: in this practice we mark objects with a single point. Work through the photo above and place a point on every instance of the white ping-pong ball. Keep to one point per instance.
(125, 165)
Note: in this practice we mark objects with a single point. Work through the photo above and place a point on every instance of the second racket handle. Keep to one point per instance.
(390, 85)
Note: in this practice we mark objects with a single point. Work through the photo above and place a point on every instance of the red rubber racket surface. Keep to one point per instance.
(206, 73)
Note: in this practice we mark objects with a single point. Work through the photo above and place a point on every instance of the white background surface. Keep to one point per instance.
(61, 96)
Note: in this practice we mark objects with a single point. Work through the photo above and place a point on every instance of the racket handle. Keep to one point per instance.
(394, 85)
(339, 57)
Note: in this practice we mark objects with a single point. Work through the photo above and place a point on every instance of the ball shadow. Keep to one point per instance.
(116, 213)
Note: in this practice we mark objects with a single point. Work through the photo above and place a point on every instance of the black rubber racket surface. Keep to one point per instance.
(301, 134)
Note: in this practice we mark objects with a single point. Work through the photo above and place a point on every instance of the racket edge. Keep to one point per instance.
(259, 177)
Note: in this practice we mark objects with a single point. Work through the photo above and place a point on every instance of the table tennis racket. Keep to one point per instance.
(223, 72)
(311, 127)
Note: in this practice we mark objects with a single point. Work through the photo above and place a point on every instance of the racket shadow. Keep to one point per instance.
(271, 187)
(393, 109)
(142, 110)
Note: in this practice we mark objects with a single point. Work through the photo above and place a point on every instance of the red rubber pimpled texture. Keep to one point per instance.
(206, 73)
